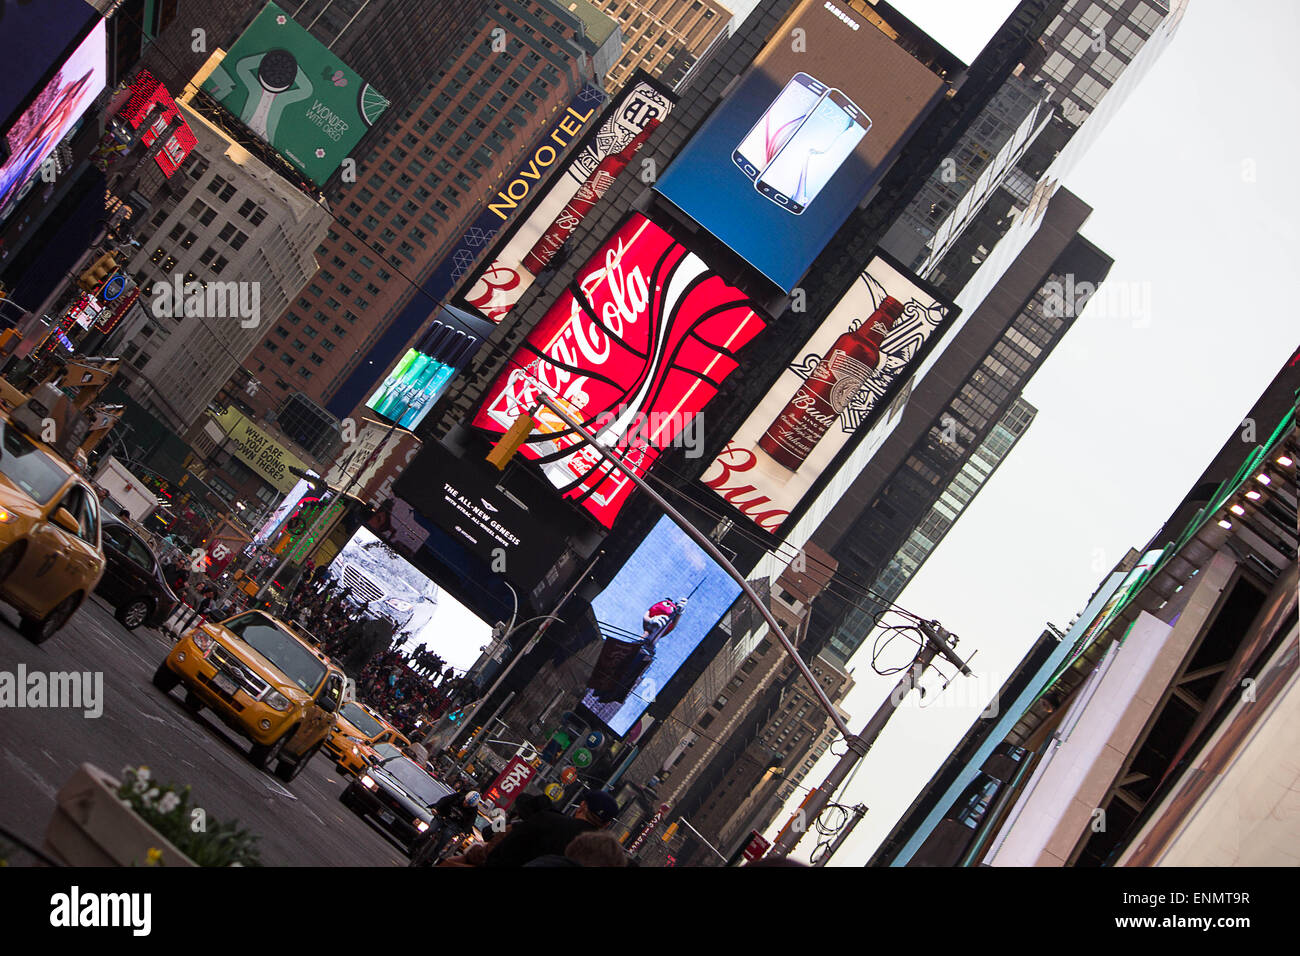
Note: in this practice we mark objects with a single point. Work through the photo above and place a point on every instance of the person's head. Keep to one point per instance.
(597, 808)
(531, 804)
(596, 848)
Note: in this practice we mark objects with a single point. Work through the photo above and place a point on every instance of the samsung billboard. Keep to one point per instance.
(807, 132)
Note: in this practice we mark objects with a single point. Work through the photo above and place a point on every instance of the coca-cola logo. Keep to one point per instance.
(647, 327)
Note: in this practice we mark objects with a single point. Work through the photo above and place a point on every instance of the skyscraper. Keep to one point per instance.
(665, 38)
(417, 194)
(1085, 64)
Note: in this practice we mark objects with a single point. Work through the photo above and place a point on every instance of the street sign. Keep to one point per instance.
(582, 757)
(510, 784)
(756, 846)
(648, 828)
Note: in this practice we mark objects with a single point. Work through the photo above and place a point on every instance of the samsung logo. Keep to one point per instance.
(840, 14)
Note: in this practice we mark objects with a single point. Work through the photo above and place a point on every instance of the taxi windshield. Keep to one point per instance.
(358, 718)
(280, 648)
(28, 467)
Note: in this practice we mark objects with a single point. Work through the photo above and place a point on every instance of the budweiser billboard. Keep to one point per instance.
(603, 154)
(839, 383)
(510, 784)
(634, 349)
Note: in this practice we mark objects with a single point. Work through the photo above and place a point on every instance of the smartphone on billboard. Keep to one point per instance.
(814, 153)
(777, 124)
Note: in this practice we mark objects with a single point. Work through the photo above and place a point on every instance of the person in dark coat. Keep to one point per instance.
(549, 832)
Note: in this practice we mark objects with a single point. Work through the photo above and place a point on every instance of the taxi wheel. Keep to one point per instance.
(38, 630)
(263, 755)
(164, 679)
(287, 771)
(11, 557)
(132, 614)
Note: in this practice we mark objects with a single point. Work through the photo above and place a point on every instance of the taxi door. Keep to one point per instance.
(44, 577)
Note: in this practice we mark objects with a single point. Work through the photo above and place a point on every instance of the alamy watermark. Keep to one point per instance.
(978, 693)
(208, 300)
(78, 690)
(656, 429)
(1112, 299)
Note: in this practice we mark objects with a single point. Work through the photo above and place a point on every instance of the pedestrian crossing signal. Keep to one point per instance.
(455, 715)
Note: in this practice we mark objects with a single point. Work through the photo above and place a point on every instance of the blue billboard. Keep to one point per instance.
(662, 603)
(808, 131)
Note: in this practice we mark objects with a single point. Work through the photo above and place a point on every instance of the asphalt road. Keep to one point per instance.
(299, 824)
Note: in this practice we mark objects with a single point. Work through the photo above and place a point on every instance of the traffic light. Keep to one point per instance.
(510, 442)
(94, 277)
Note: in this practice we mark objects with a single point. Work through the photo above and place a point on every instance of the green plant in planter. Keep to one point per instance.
(168, 810)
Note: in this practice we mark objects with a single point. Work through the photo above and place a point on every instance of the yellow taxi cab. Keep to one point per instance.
(263, 681)
(51, 556)
(357, 730)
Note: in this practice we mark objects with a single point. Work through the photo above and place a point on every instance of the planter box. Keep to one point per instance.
(92, 827)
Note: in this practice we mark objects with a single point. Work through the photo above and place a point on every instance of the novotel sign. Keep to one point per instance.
(543, 158)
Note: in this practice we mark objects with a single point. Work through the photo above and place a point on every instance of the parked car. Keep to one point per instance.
(50, 553)
(134, 581)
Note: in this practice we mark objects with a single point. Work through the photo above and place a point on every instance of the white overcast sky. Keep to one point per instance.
(1129, 414)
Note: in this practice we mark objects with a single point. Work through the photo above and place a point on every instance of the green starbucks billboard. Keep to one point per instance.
(292, 92)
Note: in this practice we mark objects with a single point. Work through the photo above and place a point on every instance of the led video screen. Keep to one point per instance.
(807, 132)
(662, 603)
(833, 390)
(42, 126)
(633, 349)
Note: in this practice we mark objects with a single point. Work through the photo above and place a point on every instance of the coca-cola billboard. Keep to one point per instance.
(634, 349)
(840, 382)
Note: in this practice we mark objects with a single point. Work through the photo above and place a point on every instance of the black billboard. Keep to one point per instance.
(460, 495)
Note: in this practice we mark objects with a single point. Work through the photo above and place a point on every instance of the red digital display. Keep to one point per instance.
(634, 350)
(145, 91)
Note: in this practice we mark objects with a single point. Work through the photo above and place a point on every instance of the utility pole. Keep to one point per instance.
(937, 641)
(858, 813)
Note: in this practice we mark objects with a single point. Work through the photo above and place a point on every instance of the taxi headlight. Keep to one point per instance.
(202, 640)
(421, 825)
(5, 516)
(368, 781)
(276, 701)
